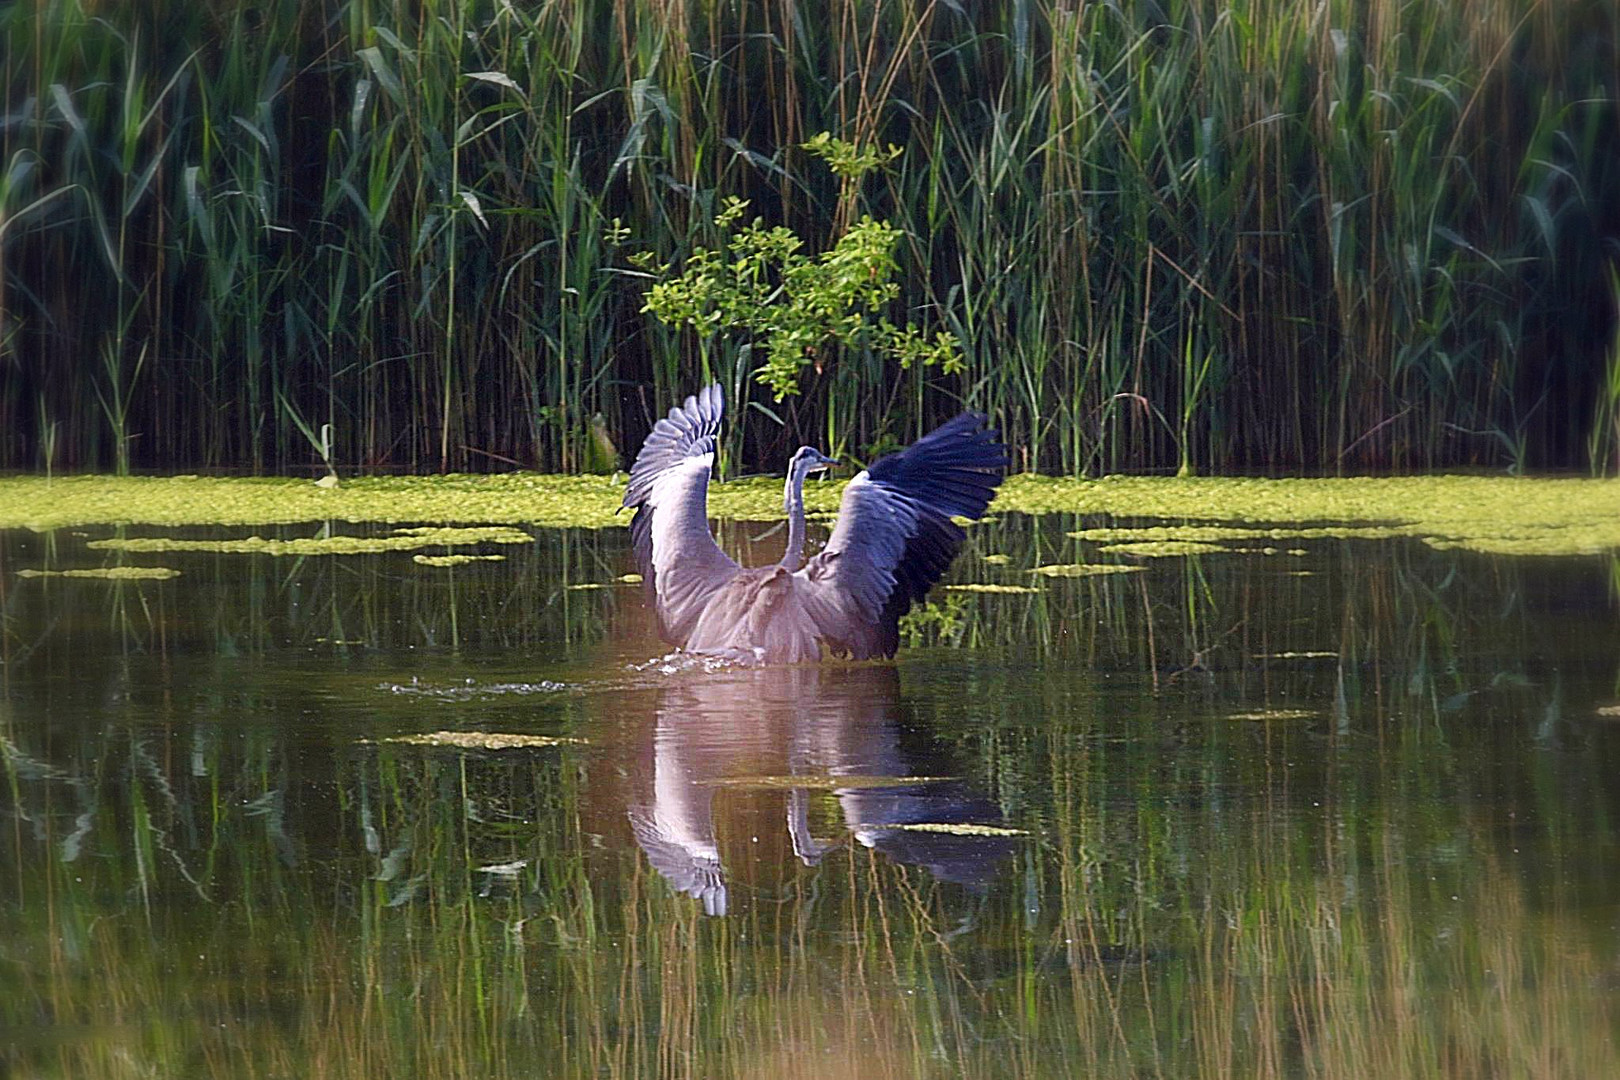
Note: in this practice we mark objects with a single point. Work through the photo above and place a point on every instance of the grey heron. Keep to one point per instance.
(893, 540)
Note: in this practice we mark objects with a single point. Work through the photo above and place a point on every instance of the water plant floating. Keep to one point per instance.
(401, 540)
(951, 828)
(108, 573)
(1498, 514)
(1269, 715)
(483, 740)
(1084, 569)
(1157, 549)
(978, 587)
(454, 560)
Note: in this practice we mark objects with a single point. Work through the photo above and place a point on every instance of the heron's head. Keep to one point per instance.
(810, 460)
(806, 461)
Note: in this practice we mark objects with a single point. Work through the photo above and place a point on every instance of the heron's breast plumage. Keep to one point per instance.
(758, 615)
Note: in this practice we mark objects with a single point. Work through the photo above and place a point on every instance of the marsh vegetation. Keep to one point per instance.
(1253, 235)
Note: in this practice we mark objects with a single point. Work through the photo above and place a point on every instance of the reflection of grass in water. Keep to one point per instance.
(1510, 515)
(359, 935)
(813, 782)
(480, 927)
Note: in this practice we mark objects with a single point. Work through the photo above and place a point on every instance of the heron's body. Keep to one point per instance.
(759, 612)
(893, 540)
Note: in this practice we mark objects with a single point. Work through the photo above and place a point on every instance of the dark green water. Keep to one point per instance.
(1349, 813)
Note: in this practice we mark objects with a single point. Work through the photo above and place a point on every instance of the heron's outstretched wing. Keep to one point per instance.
(669, 487)
(895, 536)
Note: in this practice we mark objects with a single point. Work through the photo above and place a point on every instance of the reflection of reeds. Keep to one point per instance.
(193, 889)
(1288, 947)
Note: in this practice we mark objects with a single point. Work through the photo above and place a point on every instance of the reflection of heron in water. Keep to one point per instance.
(893, 540)
(819, 723)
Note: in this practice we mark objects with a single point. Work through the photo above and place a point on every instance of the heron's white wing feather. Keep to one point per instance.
(669, 487)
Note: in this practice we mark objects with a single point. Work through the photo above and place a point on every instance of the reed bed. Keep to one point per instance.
(1189, 235)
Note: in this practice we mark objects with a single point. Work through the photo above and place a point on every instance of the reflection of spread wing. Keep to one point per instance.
(974, 861)
(669, 488)
(697, 873)
(895, 537)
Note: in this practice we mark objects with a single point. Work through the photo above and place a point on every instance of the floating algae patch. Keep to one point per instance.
(1199, 534)
(1156, 549)
(403, 540)
(1218, 534)
(1500, 514)
(1310, 654)
(947, 827)
(1084, 569)
(819, 782)
(987, 588)
(1510, 515)
(108, 573)
(503, 499)
(483, 740)
(454, 560)
(1272, 715)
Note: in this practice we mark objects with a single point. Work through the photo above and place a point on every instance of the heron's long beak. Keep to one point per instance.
(824, 463)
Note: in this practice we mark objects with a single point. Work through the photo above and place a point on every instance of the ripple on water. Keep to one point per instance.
(472, 690)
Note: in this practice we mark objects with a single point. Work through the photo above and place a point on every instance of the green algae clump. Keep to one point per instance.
(951, 828)
(1156, 549)
(401, 540)
(1084, 569)
(454, 560)
(1498, 514)
(987, 588)
(1269, 715)
(484, 740)
(108, 573)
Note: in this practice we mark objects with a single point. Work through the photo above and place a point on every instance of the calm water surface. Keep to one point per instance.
(1347, 812)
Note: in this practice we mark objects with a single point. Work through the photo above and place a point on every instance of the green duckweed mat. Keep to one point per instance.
(1505, 515)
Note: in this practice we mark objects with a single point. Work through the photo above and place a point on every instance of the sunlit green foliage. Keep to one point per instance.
(760, 284)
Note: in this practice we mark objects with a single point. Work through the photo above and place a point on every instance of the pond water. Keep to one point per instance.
(1349, 808)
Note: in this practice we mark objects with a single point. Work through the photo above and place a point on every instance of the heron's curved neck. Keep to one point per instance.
(793, 503)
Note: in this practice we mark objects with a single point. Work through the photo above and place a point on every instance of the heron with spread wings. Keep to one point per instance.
(893, 540)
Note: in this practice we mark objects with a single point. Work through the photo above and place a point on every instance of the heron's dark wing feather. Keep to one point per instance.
(669, 489)
(895, 537)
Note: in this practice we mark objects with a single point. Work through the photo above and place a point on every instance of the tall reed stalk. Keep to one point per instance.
(1254, 235)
